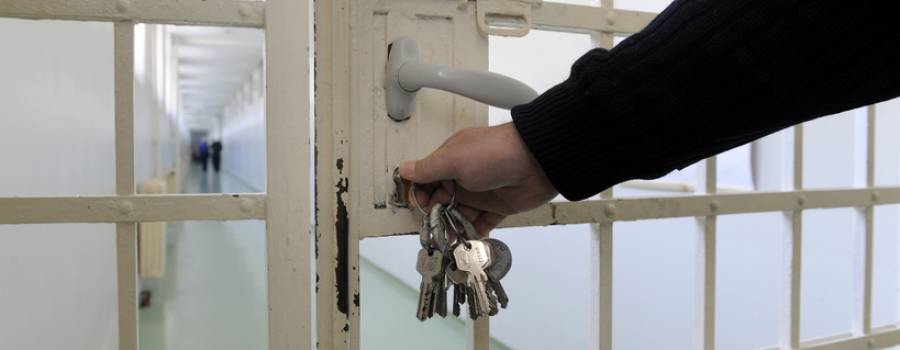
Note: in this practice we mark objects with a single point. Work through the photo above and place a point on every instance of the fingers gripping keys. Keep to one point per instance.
(454, 254)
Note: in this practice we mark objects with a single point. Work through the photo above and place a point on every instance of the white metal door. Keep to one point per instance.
(358, 146)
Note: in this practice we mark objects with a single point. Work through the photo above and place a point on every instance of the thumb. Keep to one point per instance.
(433, 168)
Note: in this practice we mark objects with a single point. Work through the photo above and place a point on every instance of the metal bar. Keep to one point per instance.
(132, 208)
(588, 19)
(869, 217)
(288, 230)
(792, 335)
(630, 209)
(332, 171)
(197, 12)
(478, 334)
(602, 243)
(707, 264)
(126, 233)
(880, 338)
(602, 252)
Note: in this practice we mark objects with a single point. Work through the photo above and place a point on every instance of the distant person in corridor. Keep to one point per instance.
(216, 155)
(704, 77)
(203, 151)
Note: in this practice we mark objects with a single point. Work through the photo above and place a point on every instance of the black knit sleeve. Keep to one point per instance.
(704, 77)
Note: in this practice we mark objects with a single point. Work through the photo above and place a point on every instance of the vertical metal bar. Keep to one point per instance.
(287, 203)
(602, 275)
(332, 174)
(869, 221)
(706, 264)
(602, 245)
(126, 233)
(478, 335)
(794, 250)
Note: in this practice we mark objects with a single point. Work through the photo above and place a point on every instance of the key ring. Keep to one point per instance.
(415, 199)
(453, 195)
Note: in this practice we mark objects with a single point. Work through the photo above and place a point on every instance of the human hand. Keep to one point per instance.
(495, 174)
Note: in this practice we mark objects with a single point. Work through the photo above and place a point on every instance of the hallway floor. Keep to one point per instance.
(213, 295)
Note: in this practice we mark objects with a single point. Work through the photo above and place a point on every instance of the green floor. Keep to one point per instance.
(213, 295)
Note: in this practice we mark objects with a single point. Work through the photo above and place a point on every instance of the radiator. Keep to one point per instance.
(152, 237)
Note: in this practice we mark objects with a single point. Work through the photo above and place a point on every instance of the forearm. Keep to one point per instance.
(704, 77)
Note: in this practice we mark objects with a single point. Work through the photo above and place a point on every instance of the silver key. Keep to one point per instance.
(428, 264)
(440, 289)
(472, 257)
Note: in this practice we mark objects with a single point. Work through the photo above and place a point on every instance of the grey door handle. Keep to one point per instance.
(404, 76)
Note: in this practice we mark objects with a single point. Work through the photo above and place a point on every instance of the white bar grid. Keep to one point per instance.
(288, 225)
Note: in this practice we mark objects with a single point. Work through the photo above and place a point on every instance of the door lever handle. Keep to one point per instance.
(405, 75)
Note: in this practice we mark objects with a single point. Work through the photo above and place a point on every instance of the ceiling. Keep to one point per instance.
(213, 64)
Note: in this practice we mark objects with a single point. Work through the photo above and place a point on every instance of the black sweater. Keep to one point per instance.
(704, 77)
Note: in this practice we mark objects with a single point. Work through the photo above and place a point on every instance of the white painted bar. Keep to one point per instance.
(602, 243)
(478, 335)
(602, 272)
(796, 247)
(869, 217)
(288, 227)
(332, 60)
(880, 338)
(706, 269)
(194, 12)
(589, 19)
(631, 209)
(132, 208)
(126, 233)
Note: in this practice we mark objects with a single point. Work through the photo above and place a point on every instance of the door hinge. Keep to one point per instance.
(504, 17)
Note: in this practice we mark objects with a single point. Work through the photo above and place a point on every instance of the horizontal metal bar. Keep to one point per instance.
(630, 209)
(195, 12)
(588, 19)
(137, 208)
(679, 186)
(879, 339)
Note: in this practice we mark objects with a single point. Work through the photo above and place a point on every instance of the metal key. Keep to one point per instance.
(457, 279)
(428, 264)
(440, 285)
(472, 257)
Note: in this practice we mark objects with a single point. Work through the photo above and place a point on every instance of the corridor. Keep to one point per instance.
(213, 295)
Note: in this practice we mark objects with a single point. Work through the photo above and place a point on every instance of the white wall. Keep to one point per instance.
(244, 133)
(57, 282)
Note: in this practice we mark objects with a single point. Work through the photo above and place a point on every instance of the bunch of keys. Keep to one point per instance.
(472, 265)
